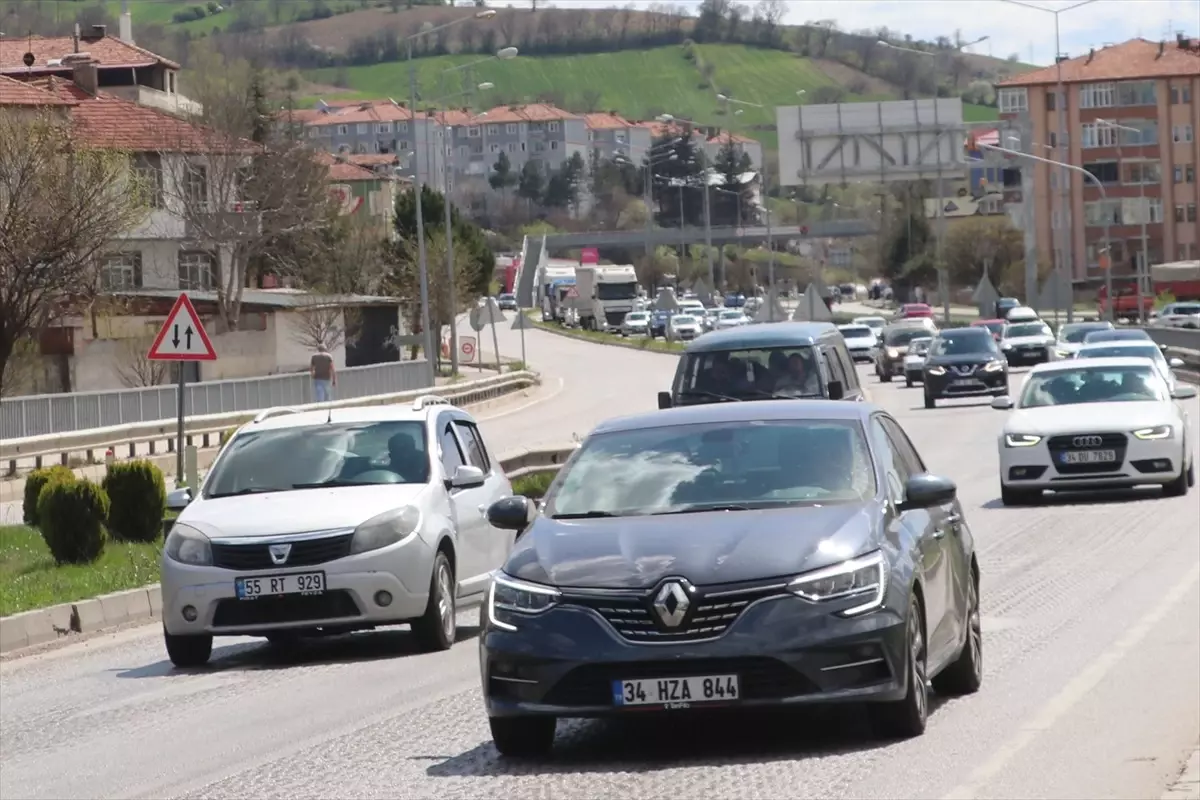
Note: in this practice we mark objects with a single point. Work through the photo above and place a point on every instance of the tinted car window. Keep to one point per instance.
(962, 343)
(1094, 385)
(476, 453)
(1027, 329)
(757, 464)
(1116, 336)
(898, 337)
(856, 331)
(746, 374)
(1135, 351)
(452, 457)
(1074, 334)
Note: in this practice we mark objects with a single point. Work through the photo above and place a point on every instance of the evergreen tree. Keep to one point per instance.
(677, 162)
(732, 205)
(467, 235)
(502, 178)
(531, 184)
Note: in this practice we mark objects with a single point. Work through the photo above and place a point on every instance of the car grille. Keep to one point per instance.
(305, 553)
(1108, 441)
(615, 318)
(963, 370)
(760, 678)
(285, 608)
(633, 617)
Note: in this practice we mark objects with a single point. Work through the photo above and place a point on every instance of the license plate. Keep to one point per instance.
(965, 382)
(1089, 456)
(273, 585)
(676, 692)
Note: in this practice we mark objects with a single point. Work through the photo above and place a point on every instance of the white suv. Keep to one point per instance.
(317, 522)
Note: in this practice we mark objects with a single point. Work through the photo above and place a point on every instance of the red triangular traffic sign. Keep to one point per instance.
(182, 337)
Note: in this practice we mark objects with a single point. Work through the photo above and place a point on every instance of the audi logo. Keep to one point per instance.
(1088, 441)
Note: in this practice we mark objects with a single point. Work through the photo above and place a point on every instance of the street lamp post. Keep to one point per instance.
(1108, 312)
(1144, 265)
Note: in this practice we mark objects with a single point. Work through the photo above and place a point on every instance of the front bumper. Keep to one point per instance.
(977, 384)
(349, 601)
(1029, 354)
(862, 353)
(1139, 462)
(891, 366)
(784, 651)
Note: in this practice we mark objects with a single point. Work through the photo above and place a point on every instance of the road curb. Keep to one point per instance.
(620, 343)
(1187, 787)
(43, 625)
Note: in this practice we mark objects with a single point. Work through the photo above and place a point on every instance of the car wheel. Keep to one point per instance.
(437, 628)
(1179, 486)
(885, 378)
(523, 737)
(1191, 474)
(965, 674)
(1018, 497)
(908, 383)
(906, 718)
(930, 400)
(188, 650)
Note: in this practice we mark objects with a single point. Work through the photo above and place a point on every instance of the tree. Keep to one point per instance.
(562, 190)
(353, 253)
(531, 184)
(321, 322)
(481, 261)
(976, 244)
(502, 178)
(134, 366)
(731, 205)
(61, 203)
(404, 281)
(678, 161)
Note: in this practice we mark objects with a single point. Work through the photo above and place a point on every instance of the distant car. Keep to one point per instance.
(876, 324)
(914, 311)
(860, 341)
(1021, 314)
(1004, 305)
(735, 300)
(685, 327)
(736, 555)
(1120, 335)
(658, 323)
(731, 318)
(1095, 424)
(691, 306)
(889, 355)
(995, 326)
(711, 316)
(914, 360)
(1071, 336)
(636, 323)
(963, 362)
(1178, 315)
(507, 302)
(1027, 342)
(1134, 348)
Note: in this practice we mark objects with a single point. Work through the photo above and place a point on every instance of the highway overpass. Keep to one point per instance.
(748, 234)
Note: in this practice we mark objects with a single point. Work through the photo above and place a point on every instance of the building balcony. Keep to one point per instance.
(174, 104)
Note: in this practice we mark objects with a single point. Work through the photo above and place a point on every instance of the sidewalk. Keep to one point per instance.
(1188, 785)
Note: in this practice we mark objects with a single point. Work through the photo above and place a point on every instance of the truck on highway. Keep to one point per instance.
(555, 278)
(606, 294)
(1180, 279)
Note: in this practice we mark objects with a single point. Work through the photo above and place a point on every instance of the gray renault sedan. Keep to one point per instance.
(767, 553)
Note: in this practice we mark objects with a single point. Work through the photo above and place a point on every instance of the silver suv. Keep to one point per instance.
(327, 521)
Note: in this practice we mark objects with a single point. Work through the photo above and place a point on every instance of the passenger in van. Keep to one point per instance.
(800, 378)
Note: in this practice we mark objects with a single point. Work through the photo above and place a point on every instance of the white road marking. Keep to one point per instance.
(1074, 691)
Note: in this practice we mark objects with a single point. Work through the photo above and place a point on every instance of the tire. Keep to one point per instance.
(908, 384)
(906, 718)
(1179, 486)
(965, 674)
(188, 650)
(523, 737)
(437, 628)
(930, 400)
(1191, 474)
(1018, 497)
(885, 378)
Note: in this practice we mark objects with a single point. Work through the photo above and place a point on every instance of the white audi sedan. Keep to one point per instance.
(1099, 423)
(317, 522)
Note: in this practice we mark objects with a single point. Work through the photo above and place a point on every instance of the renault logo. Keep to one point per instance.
(279, 553)
(672, 604)
(1088, 441)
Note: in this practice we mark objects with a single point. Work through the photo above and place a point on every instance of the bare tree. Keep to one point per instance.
(134, 366)
(403, 281)
(321, 322)
(60, 205)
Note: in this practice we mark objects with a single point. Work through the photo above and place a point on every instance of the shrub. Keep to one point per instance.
(534, 485)
(72, 514)
(34, 483)
(137, 497)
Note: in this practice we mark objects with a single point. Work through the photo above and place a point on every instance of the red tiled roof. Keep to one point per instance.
(532, 112)
(455, 117)
(108, 52)
(737, 138)
(1136, 58)
(375, 111)
(344, 171)
(18, 93)
(373, 159)
(606, 120)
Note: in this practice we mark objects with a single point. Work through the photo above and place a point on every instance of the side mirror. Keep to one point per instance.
(514, 513)
(664, 400)
(465, 477)
(926, 491)
(1175, 363)
(1183, 392)
(836, 390)
(179, 499)
(1002, 403)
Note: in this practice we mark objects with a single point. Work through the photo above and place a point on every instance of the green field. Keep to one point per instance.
(161, 12)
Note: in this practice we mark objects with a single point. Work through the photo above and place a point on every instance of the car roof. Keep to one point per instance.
(392, 412)
(746, 411)
(776, 334)
(992, 321)
(1118, 344)
(1092, 363)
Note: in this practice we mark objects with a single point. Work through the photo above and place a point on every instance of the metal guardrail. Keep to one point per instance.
(520, 463)
(64, 445)
(39, 415)
(1176, 338)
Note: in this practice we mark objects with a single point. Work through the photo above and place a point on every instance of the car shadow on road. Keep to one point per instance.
(1096, 498)
(702, 739)
(314, 651)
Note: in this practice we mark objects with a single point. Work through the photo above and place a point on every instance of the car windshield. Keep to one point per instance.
(1094, 385)
(1119, 351)
(963, 343)
(637, 316)
(919, 347)
(1184, 309)
(899, 337)
(684, 319)
(857, 332)
(731, 315)
(735, 465)
(616, 291)
(1117, 336)
(1074, 334)
(1027, 329)
(507, 296)
(874, 323)
(750, 374)
(313, 456)
(993, 327)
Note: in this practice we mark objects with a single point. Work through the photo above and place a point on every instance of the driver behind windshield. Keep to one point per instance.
(406, 460)
(800, 377)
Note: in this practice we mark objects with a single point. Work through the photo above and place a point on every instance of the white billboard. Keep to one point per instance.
(870, 142)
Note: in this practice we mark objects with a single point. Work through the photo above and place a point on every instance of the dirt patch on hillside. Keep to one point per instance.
(848, 77)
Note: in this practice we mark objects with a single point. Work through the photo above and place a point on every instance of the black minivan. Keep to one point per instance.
(780, 360)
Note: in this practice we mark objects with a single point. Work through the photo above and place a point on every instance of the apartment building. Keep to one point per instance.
(610, 135)
(1131, 114)
(377, 127)
(537, 131)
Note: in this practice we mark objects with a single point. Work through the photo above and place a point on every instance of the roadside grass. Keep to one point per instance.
(30, 579)
(633, 343)
(533, 485)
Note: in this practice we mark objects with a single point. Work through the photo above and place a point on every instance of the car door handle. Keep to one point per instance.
(939, 533)
(483, 511)
(953, 519)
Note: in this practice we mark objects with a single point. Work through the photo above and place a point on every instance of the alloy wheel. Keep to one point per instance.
(446, 601)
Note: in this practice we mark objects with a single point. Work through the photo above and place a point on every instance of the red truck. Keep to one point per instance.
(1181, 279)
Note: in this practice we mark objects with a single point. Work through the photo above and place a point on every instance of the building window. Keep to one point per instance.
(147, 168)
(1093, 134)
(1185, 252)
(553, 145)
(552, 127)
(1146, 132)
(1191, 212)
(511, 128)
(1097, 95)
(1182, 133)
(1143, 172)
(1105, 171)
(1136, 93)
(539, 147)
(196, 270)
(1189, 174)
(1051, 98)
(1102, 212)
(512, 147)
(313, 133)
(121, 272)
(364, 128)
(1179, 212)
(195, 186)
(343, 130)
(495, 148)
(1013, 101)
(473, 132)
(493, 130)
(1156, 209)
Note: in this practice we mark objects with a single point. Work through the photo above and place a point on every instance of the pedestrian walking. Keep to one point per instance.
(324, 375)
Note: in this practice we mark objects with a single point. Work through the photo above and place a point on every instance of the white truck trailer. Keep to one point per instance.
(606, 294)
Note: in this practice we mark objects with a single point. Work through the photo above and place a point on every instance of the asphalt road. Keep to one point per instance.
(1092, 642)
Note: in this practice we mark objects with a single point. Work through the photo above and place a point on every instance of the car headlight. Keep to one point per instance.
(1157, 432)
(994, 366)
(1006, 345)
(864, 577)
(187, 545)
(937, 370)
(385, 529)
(893, 352)
(509, 599)
(1020, 440)
(1061, 353)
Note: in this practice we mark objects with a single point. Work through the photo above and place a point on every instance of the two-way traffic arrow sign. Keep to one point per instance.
(182, 337)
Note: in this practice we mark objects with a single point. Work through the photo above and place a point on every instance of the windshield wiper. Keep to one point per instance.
(247, 490)
(701, 507)
(710, 395)
(585, 515)
(327, 484)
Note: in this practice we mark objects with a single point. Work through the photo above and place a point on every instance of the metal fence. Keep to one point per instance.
(1181, 338)
(37, 415)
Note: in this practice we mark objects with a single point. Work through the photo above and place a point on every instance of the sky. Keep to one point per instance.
(1011, 28)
